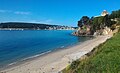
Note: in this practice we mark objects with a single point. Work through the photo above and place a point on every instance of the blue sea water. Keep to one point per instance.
(18, 45)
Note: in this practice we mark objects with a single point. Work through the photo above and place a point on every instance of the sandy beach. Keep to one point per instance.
(54, 62)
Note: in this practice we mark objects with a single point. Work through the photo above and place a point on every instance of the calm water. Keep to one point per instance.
(19, 45)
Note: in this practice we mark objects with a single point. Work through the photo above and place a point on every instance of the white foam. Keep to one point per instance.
(36, 55)
(12, 63)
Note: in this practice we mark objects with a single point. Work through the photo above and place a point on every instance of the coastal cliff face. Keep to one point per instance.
(88, 32)
(84, 27)
(82, 31)
(100, 25)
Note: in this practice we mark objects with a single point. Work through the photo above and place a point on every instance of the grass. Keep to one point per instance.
(104, 59)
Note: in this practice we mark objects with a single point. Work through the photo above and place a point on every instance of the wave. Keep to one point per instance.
(12, 63)
(62, 46)
(29, 58)
(36, 56)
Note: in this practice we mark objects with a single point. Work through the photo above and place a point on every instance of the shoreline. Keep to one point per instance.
(21, 29)
(54, 62)
(31, 58)
(28, 59)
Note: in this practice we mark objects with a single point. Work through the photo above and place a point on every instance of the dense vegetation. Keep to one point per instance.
(104, 59)
(115, 14)
(25, 25)
(99, 22)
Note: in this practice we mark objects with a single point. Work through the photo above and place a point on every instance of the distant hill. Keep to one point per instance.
(25, 25)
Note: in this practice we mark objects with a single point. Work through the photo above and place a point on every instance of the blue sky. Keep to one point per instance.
(62, 12)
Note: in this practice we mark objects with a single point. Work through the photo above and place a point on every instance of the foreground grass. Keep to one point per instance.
(104, 59)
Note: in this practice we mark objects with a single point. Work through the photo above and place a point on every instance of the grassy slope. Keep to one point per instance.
(104, 59)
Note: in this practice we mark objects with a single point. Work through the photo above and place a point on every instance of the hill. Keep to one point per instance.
(25, 25)
(98, 25)
(33, 26)
(104, 59)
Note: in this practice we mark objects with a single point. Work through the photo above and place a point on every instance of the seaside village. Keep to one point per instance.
(86, 26)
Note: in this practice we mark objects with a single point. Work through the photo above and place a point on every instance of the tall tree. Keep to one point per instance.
(83, 21)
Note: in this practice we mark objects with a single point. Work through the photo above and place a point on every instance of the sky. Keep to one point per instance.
(55, 12)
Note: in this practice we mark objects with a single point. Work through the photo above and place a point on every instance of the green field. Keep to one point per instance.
(104, 59)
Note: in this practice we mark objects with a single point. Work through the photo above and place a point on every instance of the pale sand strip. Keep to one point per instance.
(56, 61)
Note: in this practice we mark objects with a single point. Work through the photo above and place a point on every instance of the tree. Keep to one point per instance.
(115, 14)
(83, 21)
(107, 21)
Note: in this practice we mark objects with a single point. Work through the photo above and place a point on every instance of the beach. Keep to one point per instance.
(54, 62)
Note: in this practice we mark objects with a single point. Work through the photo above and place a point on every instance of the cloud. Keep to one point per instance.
(48, 21)
(22, 13)
(15, 12)
(5, 11)
(2, 11)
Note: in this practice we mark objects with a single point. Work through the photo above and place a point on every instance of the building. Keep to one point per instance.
(104, 13)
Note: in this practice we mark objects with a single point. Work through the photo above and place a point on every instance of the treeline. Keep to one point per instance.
(99, 22)
(115, 14)
(25, 25)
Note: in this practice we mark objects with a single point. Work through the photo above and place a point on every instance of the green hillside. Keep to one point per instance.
(104, 59)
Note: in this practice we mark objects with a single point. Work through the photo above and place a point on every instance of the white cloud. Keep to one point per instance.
(2, 11)
(5, 11)
(48, 20)
(22, 13)
(15, 12)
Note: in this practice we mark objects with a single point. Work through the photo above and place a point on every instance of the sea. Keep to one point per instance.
(17, 46)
